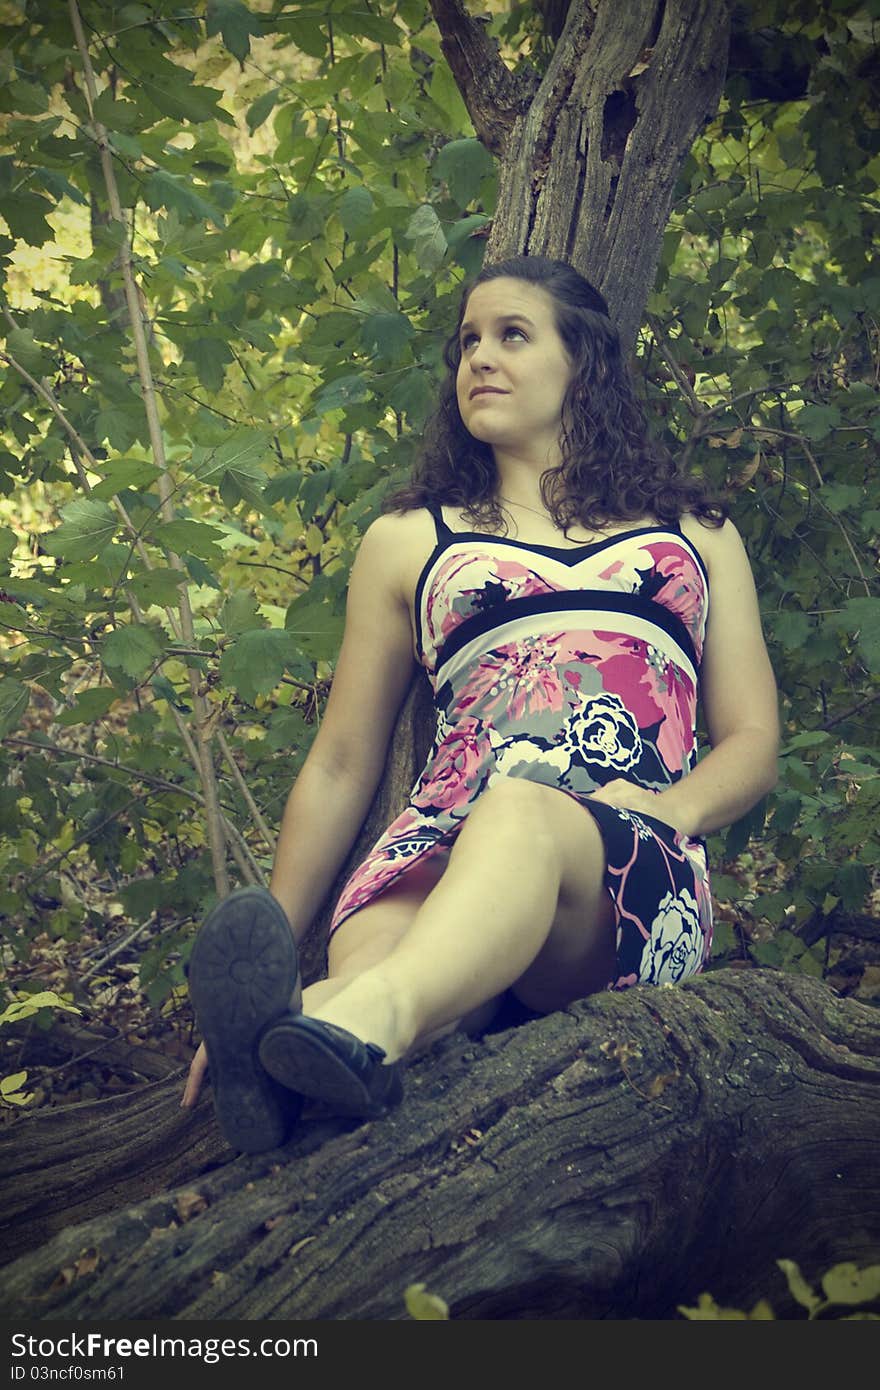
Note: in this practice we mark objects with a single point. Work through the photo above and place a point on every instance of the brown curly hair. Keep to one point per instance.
(611, 469)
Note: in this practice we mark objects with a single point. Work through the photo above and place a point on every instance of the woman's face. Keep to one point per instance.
(514, 368)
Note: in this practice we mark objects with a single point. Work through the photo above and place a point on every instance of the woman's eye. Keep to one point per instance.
(470, 338)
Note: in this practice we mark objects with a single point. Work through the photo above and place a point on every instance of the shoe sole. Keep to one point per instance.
(242, 974)
(313, 1068)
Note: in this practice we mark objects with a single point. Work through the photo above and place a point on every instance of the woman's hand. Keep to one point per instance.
(666, 806)
(198, 1067)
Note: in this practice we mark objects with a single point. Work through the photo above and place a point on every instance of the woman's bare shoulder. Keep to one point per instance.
(712, 542)
(400, 542)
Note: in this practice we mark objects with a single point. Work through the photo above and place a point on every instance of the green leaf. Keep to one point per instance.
(423, 1305)
(161, 586)
(447, 100)
(262, 108)
(241, 450)
(344, 391)
(853, 882)
(414, 396)
(14, 700)
(181, 99)
(210, 357)
(10, 1089)
(120, 427)
(255, 664)
(29, 1004)
(861, 618)
(90, 706)
(798, 1287)
(425, 232)
(840, 497)
(133, 648)
(306, 32)
(848, 1284)
(26, 214)
(118, 115)
(362, 24)
(812, 738)
(707, 1310)
(199, 572)
(122, 473)
(240, 613)
(386, 335)
(817, 421)
(165, 190)
(88, 527)
(195, 537)
(791, 629)
(34, 358)
(27, 98)
(235, 23)
(463, 165)
(317, 625)
(354, 208)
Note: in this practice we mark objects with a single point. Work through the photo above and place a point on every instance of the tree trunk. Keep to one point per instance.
(590, 154)
(614, 1160)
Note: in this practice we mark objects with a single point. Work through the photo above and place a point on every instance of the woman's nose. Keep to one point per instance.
(482, 356)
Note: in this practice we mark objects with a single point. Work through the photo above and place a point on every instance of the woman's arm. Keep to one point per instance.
(739, 700)
(333, 792)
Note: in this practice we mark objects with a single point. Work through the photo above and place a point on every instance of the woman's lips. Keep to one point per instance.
(487, 391)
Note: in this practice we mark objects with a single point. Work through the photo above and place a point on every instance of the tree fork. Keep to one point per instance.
(589, 157)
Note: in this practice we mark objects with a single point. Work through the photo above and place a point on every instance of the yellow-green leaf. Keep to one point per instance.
(847, 1283)
(423, 1305)
(798, 1286)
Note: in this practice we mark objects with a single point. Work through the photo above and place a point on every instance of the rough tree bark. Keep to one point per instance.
(613, 1160)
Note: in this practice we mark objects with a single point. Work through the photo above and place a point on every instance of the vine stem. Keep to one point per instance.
(201, 707)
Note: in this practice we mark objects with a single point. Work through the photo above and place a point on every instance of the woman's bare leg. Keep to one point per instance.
(366, 938)
(521, 904)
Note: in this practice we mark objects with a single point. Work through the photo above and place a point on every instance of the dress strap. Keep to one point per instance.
(439, 524)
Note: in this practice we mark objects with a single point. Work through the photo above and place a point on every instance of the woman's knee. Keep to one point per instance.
(513, 811)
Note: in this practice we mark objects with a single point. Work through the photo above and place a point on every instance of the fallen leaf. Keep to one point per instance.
(295, 1249)
(88, 1262)
(189, 1204)
(659, 1084)
(643, 62)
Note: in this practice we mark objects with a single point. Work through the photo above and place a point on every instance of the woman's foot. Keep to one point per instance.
(329, 1064)
(348, 1052)
(243, 975)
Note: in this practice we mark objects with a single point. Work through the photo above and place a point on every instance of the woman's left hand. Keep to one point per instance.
(631, 797)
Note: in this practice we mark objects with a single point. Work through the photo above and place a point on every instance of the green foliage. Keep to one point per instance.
(427, 1307)
(303, 193)
(844, 1286)
(25, 1006)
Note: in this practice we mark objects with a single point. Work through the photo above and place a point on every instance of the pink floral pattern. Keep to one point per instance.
(568, 668)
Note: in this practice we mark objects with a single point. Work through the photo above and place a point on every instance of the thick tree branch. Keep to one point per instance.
(493, 95)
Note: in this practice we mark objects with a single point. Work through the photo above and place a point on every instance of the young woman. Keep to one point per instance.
(550, 567)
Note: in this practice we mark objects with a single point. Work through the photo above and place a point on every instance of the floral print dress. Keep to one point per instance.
(569, 666)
